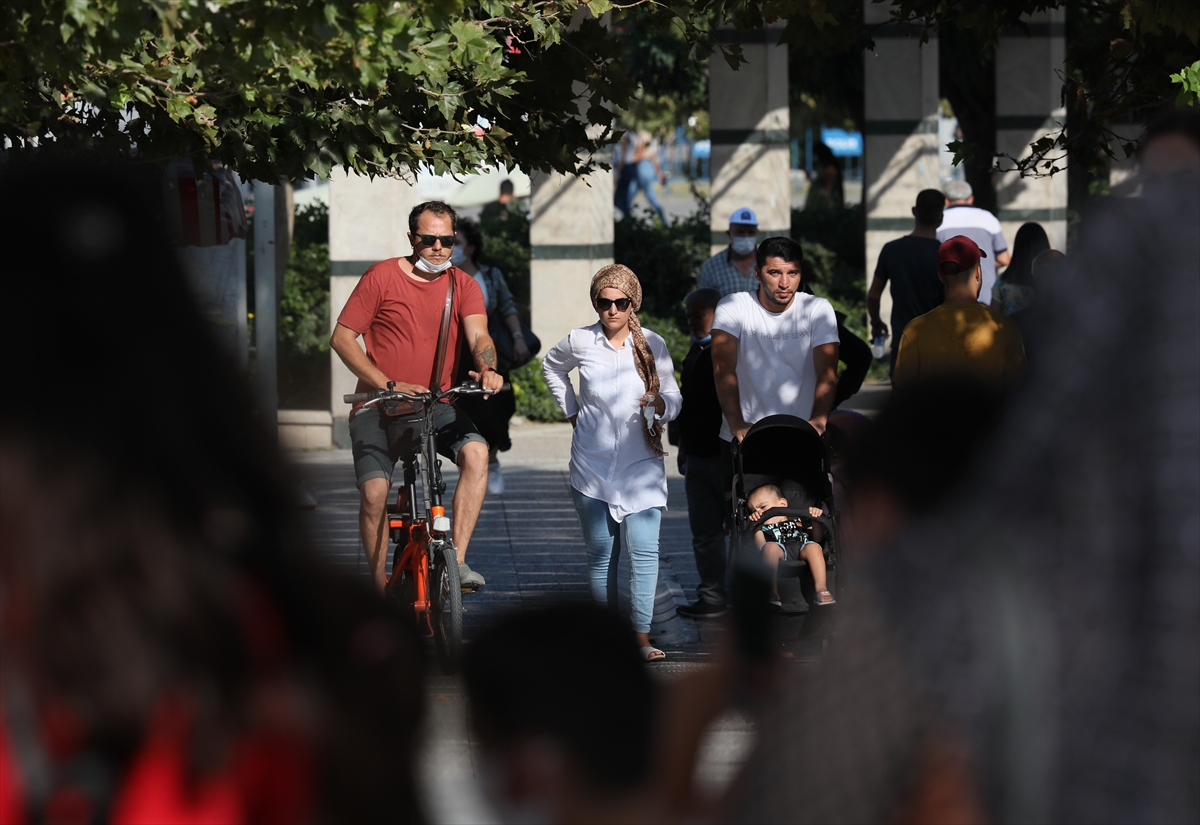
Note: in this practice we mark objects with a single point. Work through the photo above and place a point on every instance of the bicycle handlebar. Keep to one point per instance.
(465, 388)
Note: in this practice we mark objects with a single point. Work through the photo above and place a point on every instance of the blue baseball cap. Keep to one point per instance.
(744, 215)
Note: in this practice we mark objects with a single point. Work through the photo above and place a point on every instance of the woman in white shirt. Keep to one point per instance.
(618, 480)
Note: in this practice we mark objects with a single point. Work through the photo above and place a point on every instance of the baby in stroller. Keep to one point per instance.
(771, 535)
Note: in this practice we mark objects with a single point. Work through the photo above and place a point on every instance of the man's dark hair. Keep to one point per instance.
(706, 297)
(506, 187)
(593, 696)
(437, 208)
(781, 247)
(473, 237)
(929, 206)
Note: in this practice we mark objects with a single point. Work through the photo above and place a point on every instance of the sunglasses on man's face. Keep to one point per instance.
(602, 304)
(430, 240)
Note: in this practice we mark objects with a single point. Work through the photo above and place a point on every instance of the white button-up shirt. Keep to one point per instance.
(610, 458)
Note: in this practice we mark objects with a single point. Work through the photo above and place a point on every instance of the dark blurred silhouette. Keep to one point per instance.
(826, 191)
(499, 206)
(170, 650)
(1029, 649)
(563, 708)
(1045, 267)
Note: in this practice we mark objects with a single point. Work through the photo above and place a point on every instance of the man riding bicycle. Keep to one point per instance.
(397, 307)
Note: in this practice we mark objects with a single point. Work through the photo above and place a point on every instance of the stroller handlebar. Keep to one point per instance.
(784, 511)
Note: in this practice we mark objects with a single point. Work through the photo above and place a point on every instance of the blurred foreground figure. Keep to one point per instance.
(563, 708)
(1029, 651)
(169, 654)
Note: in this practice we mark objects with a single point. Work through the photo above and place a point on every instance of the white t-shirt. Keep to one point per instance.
(775, 369)
(982, 227)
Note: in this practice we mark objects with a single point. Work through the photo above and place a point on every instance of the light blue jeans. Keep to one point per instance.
(605, 539)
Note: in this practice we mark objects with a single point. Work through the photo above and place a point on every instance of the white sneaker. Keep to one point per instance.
(495, 480)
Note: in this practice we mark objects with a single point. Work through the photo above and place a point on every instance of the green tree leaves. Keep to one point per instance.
(288, 88)
(1189, 80)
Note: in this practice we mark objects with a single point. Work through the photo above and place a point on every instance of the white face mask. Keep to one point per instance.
(433, 269)
(458, 256)
(744, 246)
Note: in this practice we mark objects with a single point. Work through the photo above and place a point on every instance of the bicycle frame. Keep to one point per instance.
(427, 548)
(405, 519)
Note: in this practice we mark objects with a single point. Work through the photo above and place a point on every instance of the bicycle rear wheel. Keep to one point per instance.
(446, 607)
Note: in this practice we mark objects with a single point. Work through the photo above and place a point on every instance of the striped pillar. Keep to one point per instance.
(1028, 107)
(368, 222)
(900, 152)
(748, 114)
(570, 237)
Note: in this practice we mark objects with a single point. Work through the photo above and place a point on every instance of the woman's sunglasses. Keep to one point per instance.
(430, 240)
(602, 304)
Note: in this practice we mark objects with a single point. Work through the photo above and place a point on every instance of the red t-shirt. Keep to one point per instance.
(399, 318)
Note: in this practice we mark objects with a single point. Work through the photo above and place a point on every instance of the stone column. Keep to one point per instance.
(570, 237)
(368, 222)
(900, 151)
(1028, 107)
(748, 112)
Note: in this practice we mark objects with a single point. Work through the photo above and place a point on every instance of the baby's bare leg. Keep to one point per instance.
(815, 556)
(772, 554)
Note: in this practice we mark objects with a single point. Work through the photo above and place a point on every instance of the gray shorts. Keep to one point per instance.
(379, 440)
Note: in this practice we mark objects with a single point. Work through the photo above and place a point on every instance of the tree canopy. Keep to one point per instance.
(289, 88)
(292, 88)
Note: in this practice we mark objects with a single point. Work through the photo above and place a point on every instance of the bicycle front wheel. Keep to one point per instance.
(446, 612)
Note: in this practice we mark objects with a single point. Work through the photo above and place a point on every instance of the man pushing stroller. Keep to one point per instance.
(774, 352)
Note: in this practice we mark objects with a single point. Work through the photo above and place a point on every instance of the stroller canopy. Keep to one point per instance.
(784, 448)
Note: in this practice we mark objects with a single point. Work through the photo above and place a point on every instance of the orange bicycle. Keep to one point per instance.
(424, 577)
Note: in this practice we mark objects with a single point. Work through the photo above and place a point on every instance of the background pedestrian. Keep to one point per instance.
(732, 269)
(627, 391)
(491, 415)
(699, 458)
(1013, 291)
(961, 337)
(962, 217)
(909, 264)
(639, 169)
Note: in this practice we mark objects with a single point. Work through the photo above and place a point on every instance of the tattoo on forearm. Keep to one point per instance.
(486, 357)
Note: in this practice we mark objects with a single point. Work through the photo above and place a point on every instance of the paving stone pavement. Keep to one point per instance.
(529, 547)
(528, 543)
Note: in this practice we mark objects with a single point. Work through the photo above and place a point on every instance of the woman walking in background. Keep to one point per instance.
(639, 169)
(491, 415)
(1013, 290)
(627, 393)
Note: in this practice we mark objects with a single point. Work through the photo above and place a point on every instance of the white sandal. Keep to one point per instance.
(653, 654)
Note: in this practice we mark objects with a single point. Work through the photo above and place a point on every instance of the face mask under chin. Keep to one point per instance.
(432, 269)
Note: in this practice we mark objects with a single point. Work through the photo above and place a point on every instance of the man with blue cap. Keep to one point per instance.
(732, 269)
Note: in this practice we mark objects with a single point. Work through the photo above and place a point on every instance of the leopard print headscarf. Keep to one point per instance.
(622, 278)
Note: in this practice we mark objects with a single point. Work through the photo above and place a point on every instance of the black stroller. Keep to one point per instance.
(787, 451)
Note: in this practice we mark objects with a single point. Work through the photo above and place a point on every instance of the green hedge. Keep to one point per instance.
(303, 327)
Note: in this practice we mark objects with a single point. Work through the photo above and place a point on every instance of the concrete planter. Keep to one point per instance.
(305, 429)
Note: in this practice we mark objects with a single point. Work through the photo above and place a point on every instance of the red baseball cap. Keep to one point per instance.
(959, 254)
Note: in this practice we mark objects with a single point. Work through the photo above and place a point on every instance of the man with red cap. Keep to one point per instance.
(962, 337)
